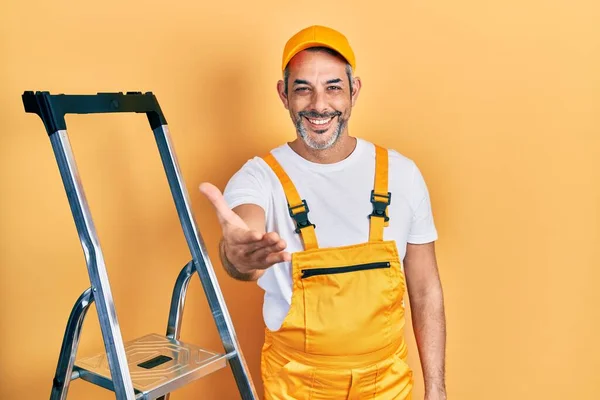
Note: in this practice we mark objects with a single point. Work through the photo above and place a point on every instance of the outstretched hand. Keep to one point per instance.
(247, 249)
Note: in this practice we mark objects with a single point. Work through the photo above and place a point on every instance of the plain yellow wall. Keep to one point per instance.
(497, 102)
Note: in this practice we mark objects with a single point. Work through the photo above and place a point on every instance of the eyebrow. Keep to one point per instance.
(305, 82)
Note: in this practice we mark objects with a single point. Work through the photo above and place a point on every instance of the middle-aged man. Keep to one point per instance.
(335, 230)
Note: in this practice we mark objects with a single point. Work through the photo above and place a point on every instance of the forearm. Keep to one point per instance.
(429, 325)
(231, 270)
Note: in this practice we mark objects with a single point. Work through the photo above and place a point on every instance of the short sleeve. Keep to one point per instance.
(249, 185)
(422, 229)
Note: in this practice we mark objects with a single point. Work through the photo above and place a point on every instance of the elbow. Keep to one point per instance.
(427, 296)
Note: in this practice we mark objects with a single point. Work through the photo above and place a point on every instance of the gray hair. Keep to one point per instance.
(286, 71)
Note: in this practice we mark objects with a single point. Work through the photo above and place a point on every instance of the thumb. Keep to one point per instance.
(214, 195)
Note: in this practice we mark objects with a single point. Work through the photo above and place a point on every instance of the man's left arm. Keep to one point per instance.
(428, 315)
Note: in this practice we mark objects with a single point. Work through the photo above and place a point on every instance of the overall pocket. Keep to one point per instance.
(348, 307)
(284, 378)
(307, 273)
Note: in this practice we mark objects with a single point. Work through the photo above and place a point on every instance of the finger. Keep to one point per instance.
(274, 258)
(268, 239)
(260, 254)
(271, 237)
(214, 195)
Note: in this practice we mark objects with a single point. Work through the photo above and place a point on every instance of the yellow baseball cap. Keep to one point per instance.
(314, 36)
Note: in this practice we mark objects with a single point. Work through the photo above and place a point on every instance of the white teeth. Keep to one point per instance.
(319, 121)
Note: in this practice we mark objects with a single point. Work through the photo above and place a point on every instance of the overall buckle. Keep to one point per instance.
(379, 207)
(300, 217)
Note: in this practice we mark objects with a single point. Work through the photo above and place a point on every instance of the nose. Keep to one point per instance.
(319, 101)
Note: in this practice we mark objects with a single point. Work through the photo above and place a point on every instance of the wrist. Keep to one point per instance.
(435, 390)
(231, 268)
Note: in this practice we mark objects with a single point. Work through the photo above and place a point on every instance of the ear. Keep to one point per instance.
(356, 86)
(282, 94)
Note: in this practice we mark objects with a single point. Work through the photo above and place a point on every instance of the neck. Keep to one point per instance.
(341, 149)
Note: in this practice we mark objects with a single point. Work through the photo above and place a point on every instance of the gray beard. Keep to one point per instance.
(319, 145)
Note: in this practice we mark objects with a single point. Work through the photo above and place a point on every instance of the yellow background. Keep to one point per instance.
(497, 102)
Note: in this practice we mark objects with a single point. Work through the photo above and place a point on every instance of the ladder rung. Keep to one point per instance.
(158, 365)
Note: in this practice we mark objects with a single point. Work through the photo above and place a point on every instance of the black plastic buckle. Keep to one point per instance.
(301, 217)
(380, 206)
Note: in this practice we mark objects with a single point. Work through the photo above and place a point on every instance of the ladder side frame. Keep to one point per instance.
(68, 352)
(109, 324)
(203, 265)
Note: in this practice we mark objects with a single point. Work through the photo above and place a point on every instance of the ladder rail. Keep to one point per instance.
(177, 307)
(178, 300)
(109, 324)
(66, 360)
(203, 264)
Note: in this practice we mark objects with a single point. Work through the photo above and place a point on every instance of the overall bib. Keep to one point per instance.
(343, 337)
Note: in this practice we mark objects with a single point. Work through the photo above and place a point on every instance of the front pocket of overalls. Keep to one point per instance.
(347, 307)
(287, 381)
(307, 273)
(394, 379)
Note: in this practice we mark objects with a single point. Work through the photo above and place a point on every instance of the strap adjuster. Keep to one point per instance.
(300, 217)
(379, 207)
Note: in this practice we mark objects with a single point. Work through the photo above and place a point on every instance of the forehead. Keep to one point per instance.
(317, 63)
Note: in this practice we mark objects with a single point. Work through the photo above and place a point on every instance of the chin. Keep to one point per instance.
(318, 141)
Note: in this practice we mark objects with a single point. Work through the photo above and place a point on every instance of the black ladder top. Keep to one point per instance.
(52, 108)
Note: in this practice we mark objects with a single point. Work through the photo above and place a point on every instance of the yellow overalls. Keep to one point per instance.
(343, 337)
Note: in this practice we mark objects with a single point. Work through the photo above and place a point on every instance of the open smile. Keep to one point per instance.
(319, 124)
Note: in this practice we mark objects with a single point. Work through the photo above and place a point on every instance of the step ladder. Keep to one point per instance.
(154, 365)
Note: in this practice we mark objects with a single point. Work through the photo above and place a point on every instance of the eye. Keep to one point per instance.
(301, 89)
(334, 88)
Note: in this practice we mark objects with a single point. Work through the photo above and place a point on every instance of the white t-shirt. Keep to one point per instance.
(338, 196)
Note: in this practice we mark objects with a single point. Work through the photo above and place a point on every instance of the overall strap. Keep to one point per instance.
(380, 197)
(298, 208)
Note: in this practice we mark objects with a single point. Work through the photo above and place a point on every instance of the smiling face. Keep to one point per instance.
(319, 93)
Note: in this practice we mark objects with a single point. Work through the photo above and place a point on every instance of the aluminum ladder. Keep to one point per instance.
(152, 366)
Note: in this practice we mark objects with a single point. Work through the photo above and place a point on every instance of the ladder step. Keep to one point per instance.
(158, 365)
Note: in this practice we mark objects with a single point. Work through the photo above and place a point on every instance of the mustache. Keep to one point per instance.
(317, 115)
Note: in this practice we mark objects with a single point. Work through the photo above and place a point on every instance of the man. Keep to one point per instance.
(336, 230)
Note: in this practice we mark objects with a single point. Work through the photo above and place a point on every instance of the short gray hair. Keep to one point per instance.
(286, 71)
